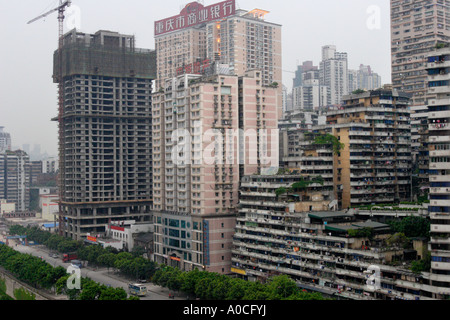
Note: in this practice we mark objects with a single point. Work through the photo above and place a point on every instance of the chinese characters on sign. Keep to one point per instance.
(195, 13)
(198, 67)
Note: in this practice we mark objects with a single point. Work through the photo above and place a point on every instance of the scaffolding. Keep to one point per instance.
(110, 61)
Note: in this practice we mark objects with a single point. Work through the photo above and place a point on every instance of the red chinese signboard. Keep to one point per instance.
(194, 14)
(198, 67)
(117, 228)
(94, 239)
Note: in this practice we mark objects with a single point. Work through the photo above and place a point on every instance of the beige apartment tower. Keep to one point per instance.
(373, 164)
(207, 133)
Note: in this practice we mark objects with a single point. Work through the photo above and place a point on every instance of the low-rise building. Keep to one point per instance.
(7, 207)
(127, 232)
(48, 203)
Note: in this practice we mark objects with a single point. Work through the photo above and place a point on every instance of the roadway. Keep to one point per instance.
(101, 275)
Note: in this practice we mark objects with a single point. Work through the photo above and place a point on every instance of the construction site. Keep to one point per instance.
(105, 131)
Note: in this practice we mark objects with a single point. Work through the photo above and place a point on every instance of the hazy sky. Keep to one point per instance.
(28, 96)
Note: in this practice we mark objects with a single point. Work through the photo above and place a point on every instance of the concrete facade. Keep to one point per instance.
(374, 165)
(15, 178)
(105, 170)
(416, 28)
(439, 166)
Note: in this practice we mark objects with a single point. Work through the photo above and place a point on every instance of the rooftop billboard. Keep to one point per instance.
(194, 14)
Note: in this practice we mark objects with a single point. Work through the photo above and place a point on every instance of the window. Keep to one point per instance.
(225, 90)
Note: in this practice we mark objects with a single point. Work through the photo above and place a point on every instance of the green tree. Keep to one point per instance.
(281, 287)
(91, 290)
(411, 226)
(53, 241)
(174, 280)
(137, 251)
(256, 291)
(329, 139)
(398, 240)
(189, 280)
(107, 259)
(280, 191)
(219, 288)
(236, 289)
(202, 288)
(68, 246)
(109, 293)
(422, 265)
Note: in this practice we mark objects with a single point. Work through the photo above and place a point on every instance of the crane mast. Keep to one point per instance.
(61, 9)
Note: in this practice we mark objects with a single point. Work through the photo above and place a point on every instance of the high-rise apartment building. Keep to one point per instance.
(204, 39)
(15, 175)
(36, 170)
(309, 159)
(417, 26)
(363, 79)
(246, 41)
(439, 160)
(334, 73)
(373, 164)
(310, 95)
(50, 165)
(301, 69)
(352, 81)
(177, 50)
(105, 152)
(206, 136)
(308, 92)
(368, 79)
(5, 140)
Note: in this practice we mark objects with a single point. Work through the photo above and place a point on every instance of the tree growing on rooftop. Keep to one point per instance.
(329, 139)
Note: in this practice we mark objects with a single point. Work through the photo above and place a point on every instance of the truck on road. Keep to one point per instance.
(67, 257)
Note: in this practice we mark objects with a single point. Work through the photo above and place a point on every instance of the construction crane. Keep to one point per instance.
(61, 9)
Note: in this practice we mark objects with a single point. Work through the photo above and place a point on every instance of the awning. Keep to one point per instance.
(50, 225)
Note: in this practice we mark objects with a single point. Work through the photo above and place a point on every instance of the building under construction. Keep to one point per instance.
(105, 136)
